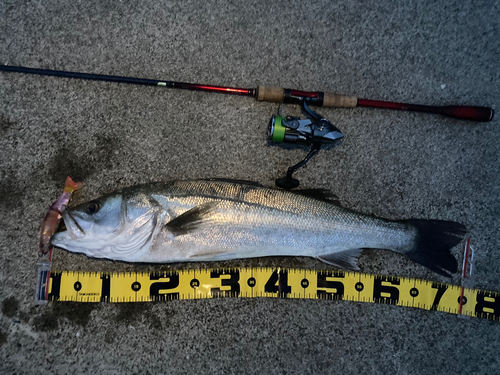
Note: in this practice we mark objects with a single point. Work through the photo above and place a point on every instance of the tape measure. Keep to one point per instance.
(268, 282)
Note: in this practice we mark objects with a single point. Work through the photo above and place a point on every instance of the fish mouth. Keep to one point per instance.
(73, 229)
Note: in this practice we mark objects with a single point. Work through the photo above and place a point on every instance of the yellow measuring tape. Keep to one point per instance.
(274, 283)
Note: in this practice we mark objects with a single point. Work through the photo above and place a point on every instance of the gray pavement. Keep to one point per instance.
(391, 164)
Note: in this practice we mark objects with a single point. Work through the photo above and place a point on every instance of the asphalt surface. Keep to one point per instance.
(391, 164)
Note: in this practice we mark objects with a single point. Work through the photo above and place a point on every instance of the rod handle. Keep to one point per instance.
(270, 94)
(330, 99)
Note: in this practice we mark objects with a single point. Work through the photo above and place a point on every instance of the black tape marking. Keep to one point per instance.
(379, 288)
(106, 287)
(442, 288)
(77, 286)
(304, 283)
(232, 282)
(331, 284)
(55, 281)
(483, 304)
(172, 283)
(136, 286)
(195, 283)
(252, 282)
(278, 284)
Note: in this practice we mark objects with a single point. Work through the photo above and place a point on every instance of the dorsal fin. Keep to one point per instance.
(324, 195)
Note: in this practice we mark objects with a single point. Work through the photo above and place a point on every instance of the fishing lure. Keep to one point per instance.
(54, 215)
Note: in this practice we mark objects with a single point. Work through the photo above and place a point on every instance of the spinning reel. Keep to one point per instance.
(315, 131)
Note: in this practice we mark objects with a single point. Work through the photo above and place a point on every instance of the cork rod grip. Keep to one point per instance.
(270, 94)
(336, 100)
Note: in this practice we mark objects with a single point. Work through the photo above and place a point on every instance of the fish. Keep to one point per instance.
(54, 214)
(217, 219)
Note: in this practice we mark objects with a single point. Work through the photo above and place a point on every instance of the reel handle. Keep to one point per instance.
(288, 182)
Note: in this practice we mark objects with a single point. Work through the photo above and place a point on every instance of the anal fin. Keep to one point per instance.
(347, 259)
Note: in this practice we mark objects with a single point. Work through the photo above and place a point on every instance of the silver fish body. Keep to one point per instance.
(209, 220)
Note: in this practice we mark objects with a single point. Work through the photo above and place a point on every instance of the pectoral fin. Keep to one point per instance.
(345, 259)
(191, 219)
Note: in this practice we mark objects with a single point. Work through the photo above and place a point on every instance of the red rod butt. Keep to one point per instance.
(468, 113)
(461, 112)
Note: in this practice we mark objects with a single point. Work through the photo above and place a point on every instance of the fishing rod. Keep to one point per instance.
(275, 94)
(314, 131)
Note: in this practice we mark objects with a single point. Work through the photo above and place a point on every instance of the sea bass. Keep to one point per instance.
(211, 220)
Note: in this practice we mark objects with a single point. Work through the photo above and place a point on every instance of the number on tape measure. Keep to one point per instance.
(229, 281)
(385, 290)
(441, 288)
(488, 305)
(328, 287)
(278, 284)
(160, 289)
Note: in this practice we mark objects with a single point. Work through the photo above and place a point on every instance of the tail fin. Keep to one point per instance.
(71, 185)
(434, 240)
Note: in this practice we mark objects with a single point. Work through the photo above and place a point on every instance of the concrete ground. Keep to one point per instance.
(392, 164)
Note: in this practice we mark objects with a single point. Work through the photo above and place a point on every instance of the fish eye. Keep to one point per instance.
(93, 207)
